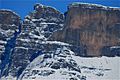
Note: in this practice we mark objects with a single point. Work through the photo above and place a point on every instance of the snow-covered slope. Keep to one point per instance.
(64, 65)
(103, 68)
(56, 65)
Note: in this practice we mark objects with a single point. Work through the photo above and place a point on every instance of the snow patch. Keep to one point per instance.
(90, 5)
(55, 42)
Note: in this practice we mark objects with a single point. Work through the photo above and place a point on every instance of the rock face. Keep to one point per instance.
(37, 27)
(92, 26)
(43, 21)
(9, 29)
(9, 22)
(26, 49)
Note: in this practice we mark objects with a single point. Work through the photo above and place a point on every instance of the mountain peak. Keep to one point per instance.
(38, 5)
(9, 11)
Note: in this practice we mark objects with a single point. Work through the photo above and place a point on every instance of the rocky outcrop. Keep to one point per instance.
(58, 61)
(90, 26)
(37, 27)
(9, 29)
(9, 22)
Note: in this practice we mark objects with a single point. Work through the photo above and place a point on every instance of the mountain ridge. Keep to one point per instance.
(45, 31)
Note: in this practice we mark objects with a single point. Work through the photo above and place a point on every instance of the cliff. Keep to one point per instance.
(92, 26)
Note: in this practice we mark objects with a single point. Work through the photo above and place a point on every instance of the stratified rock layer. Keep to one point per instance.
(91, 26)
(88, 30)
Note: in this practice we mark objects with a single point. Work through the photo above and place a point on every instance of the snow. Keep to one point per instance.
(27, 16)
(39, 64)
(57, 76)
(8, 78)
(112, 64)
(13, 25)
(35, 19)
(2, 48)
(26, 20)
(25, 40)
(47, 23)
(115, 47)
(3, 42)
(6, 32)
(108, 67)
(41, 19)
(96, 68)
(90, 5)
(61, 24)
(21, 48)
(55, 42)
(36, 36)
(38, 4)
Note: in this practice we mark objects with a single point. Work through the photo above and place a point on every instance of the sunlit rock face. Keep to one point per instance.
(91, 26)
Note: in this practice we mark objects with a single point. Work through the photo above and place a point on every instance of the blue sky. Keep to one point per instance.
(23, 7)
